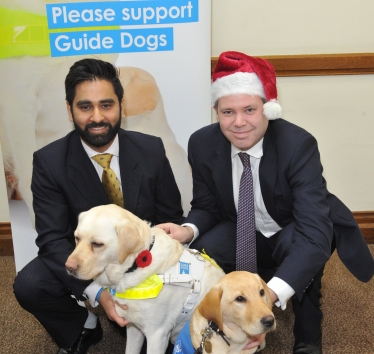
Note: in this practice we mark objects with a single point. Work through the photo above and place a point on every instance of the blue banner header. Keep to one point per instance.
(121, 13)
(111, 41)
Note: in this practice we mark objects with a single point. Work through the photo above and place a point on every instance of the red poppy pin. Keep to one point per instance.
(144, 259)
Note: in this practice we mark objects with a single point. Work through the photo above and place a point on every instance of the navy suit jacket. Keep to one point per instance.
(294, 192)
(65, 183)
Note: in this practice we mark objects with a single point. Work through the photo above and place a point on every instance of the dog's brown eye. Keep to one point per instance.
(240, 299)
(262, 292)
(97, 245)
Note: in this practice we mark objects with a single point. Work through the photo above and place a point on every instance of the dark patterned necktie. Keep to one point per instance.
(109, 179)
(246, 231)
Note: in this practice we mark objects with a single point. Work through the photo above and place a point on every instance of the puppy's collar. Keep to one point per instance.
(216, 329)
(206, 335)
(135, 264)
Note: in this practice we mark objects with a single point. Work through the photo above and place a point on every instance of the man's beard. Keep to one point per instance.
(98, 140)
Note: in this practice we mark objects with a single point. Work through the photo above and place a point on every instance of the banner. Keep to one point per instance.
(162, 48)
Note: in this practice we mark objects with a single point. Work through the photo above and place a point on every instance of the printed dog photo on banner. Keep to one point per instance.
(32, 100)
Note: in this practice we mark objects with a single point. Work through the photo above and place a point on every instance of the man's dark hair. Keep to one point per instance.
(91, 70)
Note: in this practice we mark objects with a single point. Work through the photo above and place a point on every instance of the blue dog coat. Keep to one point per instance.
(183, 344)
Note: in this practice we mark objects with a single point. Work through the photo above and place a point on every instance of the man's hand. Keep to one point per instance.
(254, 342)
(107, 303)
(184, 234)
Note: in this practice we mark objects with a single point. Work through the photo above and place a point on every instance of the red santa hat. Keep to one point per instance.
(237, 73)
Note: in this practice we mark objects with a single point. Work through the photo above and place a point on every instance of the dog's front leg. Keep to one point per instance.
(135, 339)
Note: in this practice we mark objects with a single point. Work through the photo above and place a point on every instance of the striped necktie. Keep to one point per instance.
(246, 231)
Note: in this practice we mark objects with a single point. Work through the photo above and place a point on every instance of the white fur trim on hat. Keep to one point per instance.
(244, 83)
(236, 84)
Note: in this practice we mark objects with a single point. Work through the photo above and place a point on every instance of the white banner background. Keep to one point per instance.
(33, 112)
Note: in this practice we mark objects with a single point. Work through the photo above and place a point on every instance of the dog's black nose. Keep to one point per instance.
(267, 321)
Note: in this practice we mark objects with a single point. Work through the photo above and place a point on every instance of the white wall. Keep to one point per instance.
(271, 27)
(337, 110)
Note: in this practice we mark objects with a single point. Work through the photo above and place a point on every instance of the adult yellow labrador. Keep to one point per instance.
(159, 280)
(233, 318)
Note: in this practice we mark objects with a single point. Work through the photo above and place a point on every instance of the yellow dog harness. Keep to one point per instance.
(188, 272)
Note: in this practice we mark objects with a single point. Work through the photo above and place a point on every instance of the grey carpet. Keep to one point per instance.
(348, 325)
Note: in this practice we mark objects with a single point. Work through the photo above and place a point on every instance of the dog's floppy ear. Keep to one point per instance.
(210, 306)
(129, 240)
(80, 218)
(267, 294)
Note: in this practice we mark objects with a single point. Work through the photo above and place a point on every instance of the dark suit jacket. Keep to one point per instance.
(294, 192)
(65, 183)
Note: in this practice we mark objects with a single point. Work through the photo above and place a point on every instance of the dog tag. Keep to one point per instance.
(208, 333)
(208, 347)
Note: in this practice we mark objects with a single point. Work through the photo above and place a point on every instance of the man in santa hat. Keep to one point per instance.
(260, 202)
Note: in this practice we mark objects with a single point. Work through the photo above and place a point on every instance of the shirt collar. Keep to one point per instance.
(255, 151)
(113, 149)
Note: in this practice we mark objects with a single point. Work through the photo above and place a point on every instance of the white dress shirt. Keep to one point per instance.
(114, 163)
(264, 222)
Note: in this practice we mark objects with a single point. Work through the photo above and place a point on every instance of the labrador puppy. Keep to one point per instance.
(125, 254)
(237, 312)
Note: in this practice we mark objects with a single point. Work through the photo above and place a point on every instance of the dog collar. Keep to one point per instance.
(149, 288)
(216, 329)
(143, 259)
(206, 335)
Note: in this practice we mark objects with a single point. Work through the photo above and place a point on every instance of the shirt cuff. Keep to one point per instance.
(283, 291)
(195, 233)
(91, 292)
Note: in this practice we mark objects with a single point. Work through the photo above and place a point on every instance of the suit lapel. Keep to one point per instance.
(268, 171)
(222, 175)
(131, 177)
(83, 174)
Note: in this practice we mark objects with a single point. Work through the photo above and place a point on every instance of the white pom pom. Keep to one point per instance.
(272, 109)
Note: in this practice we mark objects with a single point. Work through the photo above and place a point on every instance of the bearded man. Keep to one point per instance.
(70, 176)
